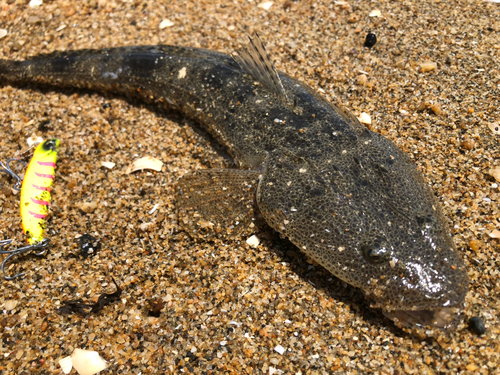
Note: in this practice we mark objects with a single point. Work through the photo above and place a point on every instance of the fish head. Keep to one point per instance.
(414, 274)
(391, 241)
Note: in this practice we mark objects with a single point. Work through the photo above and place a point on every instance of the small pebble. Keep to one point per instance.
(475, 245)
(428, 66)
(362, 80)
(436, 108)
(253, 241)
(468, 144)
(476, 325)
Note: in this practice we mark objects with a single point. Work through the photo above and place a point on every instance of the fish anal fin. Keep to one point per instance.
(217, 203)
(255, 61)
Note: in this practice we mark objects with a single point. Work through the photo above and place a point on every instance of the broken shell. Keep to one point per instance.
(87, 362)
(147, 162)
(10, 304)
(66, 364)
(108, 164)
(166, 23)
(265, 5)
(375, 13)
(365, 118)
(495, 172)
(495, 234)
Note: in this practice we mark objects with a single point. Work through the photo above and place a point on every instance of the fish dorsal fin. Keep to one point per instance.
(255, 61)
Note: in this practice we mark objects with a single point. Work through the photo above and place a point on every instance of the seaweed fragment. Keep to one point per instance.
(77, 306)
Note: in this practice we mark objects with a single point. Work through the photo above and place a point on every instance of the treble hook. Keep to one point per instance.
(7, 169)
(40, 245)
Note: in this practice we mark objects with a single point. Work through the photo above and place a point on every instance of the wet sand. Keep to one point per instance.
(225, 307)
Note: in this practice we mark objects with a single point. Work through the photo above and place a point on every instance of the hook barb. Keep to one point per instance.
(22, 250)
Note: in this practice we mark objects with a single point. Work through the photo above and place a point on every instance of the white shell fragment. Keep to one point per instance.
(10, 304)
(375, 13)
(147, 162)
(35, 3)
(365, 118)
(265, 5)
(34, 141)
(494, 127)
(66, 364)
(253, 241)
(3, 33)
(87, 362)
(166, 23)
(495, 173)
(279, 349)
(108, 164)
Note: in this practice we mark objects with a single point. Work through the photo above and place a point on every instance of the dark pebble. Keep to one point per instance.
(89, 245)
(371, 40)
(476, 325)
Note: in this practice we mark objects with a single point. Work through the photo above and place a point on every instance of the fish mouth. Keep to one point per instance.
(444, 317)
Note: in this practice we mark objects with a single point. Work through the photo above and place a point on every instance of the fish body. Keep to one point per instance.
(345, 196)
(35, 190)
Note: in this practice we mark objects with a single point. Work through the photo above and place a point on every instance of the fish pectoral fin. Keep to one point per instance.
(217, 203)
(255, 61)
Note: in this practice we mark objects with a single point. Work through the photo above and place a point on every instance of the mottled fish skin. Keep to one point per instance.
(346, 196)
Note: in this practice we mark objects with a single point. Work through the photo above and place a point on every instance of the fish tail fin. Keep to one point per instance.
(255, 61)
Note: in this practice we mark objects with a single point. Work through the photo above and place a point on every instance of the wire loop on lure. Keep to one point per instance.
(22, 250)
(8, 170)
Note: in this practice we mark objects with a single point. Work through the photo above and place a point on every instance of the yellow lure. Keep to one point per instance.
(35, 191)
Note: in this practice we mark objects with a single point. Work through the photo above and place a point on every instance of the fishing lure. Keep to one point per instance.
(35, 191)
(35, 199)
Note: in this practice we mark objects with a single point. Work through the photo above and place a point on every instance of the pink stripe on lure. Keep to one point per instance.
(40, 202)
(47, 163)
(38, 216)
(41, 187)
(51, 176)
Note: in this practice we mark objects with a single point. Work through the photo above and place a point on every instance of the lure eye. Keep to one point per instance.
(376, 252)
(50, 145)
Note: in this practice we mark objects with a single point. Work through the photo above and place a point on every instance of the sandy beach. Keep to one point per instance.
(431, 84)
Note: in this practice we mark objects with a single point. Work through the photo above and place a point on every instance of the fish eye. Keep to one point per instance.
(49, 145)
(376, 252)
